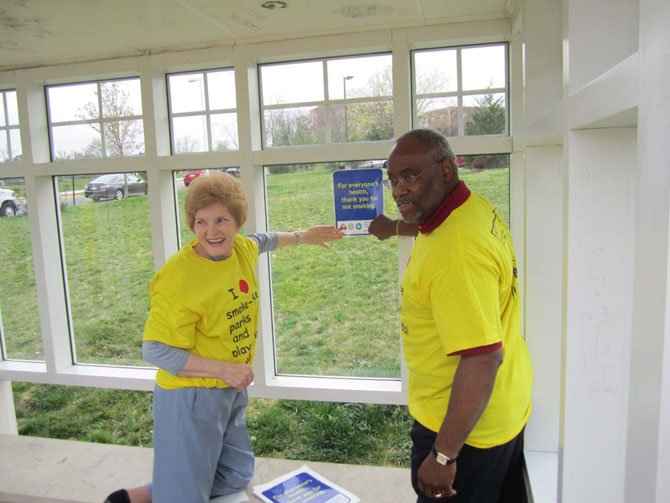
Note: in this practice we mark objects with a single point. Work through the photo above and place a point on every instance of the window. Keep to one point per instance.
(20, 334)
(96, 119)
(203, 112)
(462, 91)
(335, 100)
(10, 136)
(335, 311)
(107, 249)
(488, 176)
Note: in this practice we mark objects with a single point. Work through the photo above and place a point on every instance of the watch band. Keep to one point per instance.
(442, 458)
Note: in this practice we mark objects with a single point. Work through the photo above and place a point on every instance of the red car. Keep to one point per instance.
(189, 176)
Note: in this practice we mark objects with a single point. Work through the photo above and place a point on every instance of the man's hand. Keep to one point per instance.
(382, 227)
(435, 480)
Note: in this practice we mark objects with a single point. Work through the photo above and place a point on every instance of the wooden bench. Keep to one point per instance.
(43, 470)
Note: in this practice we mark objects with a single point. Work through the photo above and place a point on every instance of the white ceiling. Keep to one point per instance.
(43, 32)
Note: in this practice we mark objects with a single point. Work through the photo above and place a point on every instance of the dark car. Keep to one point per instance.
(189, 176)
(115, 186)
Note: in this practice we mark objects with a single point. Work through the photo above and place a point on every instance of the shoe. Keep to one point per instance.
(120, 496)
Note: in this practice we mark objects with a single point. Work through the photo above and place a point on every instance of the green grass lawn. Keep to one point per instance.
(335, 314)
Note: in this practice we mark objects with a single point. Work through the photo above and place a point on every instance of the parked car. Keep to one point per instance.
(114, 186)
(233, 171)
(8, 203)
(189, 176)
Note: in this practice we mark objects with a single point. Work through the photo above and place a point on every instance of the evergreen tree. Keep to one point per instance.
(488, 117)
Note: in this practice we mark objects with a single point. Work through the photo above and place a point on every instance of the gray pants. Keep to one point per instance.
(201, 445)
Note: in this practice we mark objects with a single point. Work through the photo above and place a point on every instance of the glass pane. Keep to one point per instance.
(190, 134)
(279, 83)
(371, 121)
(124, 138)
(221, 86)
(435, 71)
(121, 98)
(19, 318)
(335, 311)
(440, 114)
(483, 67)
(224, 131)
(107, 247)
(71, 190)
(488, 176)
(484, 114)
(187, 92)
(12, 108)
(73, 102)
(294, 126)
(5, 155)
(75, 142)
(362, 77)
(3, 122)
(15, 144)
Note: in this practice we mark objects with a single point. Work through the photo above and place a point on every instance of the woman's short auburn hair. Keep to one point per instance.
(216, 187)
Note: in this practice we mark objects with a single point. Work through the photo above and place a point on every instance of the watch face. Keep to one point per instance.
(441, 458)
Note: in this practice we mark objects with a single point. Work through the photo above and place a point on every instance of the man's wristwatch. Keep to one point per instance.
(441, 458)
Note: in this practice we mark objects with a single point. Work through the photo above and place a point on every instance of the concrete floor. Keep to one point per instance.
(41, 470)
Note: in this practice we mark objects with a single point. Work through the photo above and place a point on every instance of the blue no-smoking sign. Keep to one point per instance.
(359, 199)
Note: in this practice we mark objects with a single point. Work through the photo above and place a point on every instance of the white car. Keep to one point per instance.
(8, 203)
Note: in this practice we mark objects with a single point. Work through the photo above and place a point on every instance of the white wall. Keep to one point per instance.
(542, 32)
(648, 452)
(602, 33)
(601, 216)
(544, 290)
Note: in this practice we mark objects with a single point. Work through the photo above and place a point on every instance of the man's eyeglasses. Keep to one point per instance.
(410, 179)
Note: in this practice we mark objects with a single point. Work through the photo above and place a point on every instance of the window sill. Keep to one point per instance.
(542, 470)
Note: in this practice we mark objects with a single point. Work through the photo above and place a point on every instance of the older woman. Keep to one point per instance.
(201, 334)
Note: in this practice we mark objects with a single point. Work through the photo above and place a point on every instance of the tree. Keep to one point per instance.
(284, 127)
(123, 134)
(187, 144)
(372, 120)
(434, 111)
(488, 117)
(430, 82)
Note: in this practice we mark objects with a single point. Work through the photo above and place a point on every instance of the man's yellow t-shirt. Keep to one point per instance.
(459, 295)
(207, 307)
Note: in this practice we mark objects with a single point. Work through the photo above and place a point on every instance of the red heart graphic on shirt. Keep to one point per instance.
(244, 286)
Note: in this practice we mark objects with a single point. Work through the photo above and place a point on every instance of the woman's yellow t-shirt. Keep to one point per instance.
(209, 308)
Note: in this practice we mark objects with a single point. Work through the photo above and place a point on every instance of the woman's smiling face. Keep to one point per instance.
(215, 229)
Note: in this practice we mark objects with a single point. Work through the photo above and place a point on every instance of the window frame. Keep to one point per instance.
(327, 103)
(207, 112)
(160, 164)
(101, 119)
(459, 93)
(7, 128)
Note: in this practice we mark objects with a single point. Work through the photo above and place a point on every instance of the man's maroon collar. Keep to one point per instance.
(457, 197)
